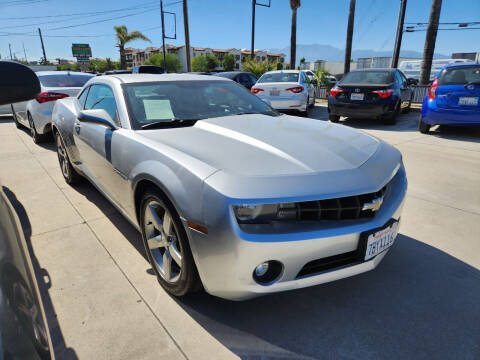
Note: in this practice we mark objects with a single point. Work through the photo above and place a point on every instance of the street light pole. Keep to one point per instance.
(348, 45)
(398, 38)
(43, 48)
(10, 48)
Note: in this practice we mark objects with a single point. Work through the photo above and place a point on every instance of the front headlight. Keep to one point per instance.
(264, 213)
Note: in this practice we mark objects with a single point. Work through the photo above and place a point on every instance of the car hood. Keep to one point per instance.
(261, 145)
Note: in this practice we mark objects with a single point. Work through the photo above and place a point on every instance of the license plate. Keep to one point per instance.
(380, 240)
(355, 96)
(274, 92)
(471, 101)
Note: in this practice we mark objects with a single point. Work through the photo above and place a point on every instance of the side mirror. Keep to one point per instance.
(97, 116)
(18, 83)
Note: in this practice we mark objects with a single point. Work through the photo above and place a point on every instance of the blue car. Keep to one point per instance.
(453, 98)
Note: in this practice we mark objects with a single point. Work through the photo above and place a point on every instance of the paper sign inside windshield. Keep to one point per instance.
(158, 109)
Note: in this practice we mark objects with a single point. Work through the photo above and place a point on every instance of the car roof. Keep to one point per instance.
(283, 71)
(374, 69)
(232, 74)
(139, 78)
(461, 64)
(63, 72)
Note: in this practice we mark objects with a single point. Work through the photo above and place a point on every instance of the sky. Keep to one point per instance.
(224, 24)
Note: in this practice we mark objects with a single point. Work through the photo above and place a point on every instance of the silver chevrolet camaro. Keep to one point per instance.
(227, 193)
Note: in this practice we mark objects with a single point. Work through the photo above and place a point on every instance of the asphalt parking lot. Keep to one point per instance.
(102, 301)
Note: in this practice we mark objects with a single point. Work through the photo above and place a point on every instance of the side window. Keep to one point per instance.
(398, 79)
(243, 79)
(82, 97)
(253, 79)
(101, 97)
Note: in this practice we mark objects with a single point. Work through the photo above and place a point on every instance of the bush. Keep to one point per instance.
(173, 64)
(228, 62)
(206, 63)
(321, 75)
(68, 67)
(258, 68)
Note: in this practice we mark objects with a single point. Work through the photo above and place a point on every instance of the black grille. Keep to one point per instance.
(345, 208)
(331, 262)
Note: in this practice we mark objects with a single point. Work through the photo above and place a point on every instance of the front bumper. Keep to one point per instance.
(434, 115)
(228, 255)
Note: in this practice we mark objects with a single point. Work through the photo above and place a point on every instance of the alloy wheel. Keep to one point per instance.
(62, 157)
(162, 241)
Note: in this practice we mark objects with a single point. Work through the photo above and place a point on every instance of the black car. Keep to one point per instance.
(371, 93)
(244, 78)
(148, 69)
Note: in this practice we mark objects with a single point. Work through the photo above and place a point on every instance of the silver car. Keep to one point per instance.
(36, 114)
(286, 90)
(227, 193)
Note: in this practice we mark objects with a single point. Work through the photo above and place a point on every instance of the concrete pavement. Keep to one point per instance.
(102, 302)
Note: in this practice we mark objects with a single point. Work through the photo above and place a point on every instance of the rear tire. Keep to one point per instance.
(179, 279)
(422, 127)
(37, 138)
(70, 175)
(17, 124)
(334, 118)
(392, 118)
(408, 108)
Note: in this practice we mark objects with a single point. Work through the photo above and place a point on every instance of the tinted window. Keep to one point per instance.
(243, 79)
(367, 77)
(64, 80)
(101, 97)
(253, 79)
(165, 101)
(460, 76)
(82, 97)
(279, 77)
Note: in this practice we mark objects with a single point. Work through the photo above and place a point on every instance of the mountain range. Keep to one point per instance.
(314, 52)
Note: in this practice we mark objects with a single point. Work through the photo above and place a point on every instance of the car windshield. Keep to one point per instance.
(169, 101)
(64, 80)
(279, 77)
(367, 77)
(460, 76)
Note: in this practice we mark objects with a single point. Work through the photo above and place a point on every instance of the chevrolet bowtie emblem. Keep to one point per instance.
(373, 205)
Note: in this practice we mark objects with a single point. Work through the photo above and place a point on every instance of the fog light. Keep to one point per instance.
(261, 269)
(268, 272)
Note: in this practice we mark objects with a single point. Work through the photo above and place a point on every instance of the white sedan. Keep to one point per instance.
(286, 90)
(36, 114)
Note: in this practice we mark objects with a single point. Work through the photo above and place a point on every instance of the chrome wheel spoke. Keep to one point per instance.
(175, 253)
(157, 222)
(167, 265)
(167, 223)
(155, 242)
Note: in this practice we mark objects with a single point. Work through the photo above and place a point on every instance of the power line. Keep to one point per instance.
(139, 6)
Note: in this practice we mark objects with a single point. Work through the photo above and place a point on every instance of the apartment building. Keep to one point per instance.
(136, 57)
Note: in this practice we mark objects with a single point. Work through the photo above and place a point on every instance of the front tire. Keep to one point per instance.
(422, 127)
(166, 245)
(69, 173)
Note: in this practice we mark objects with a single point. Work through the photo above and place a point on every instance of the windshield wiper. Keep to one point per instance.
(170, 123)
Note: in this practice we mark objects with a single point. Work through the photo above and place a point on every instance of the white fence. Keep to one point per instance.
(419, 93)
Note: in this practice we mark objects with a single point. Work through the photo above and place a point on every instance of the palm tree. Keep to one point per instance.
(123, 37)
(430, 39)
(294, 4)
(348, 45)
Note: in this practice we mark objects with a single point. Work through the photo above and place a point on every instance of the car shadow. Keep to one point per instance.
(463, 133)
(60, 349)
(47, 143)
(419, 303)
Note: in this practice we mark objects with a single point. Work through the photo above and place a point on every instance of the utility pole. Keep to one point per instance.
(398, 38)
(430, 39)
(348, 45)
(187, 35)
(44, 62)
(252, 53)
(254, 4)
(10, 48)
(24, 52)
(162, 13)
(163, 38)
